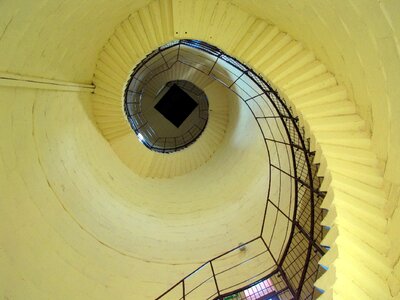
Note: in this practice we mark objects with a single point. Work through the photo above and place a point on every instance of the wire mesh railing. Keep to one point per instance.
(283, 257)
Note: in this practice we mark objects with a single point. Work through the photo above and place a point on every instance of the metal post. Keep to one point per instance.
(215, 62)
(215, 279)
(281, 271)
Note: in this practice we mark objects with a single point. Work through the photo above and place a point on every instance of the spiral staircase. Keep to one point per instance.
(58, 233)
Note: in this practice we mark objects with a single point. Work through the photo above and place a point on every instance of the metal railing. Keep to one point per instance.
(141, 89)
(286, 251)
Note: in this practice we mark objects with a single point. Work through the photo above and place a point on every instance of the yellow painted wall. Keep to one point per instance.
(58, 39)
(359, 41)
(51, 177)
(66, 194)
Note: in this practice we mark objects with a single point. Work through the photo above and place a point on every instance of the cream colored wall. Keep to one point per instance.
(58, 39)
(45, 253)
(66, 194)
(66, 190)
(359, 41)
(362, 50)
(61, 40)
(393, 211)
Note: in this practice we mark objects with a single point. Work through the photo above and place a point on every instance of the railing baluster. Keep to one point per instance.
(183, 290)
(215, 279)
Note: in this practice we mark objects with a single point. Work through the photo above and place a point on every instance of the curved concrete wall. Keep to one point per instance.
(359, 42)
(64, 190)
(49, 252)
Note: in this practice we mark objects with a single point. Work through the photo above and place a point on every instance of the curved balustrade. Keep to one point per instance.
(145, 87)
(287, 250)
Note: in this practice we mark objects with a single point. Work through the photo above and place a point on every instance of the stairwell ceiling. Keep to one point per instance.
(358, 41)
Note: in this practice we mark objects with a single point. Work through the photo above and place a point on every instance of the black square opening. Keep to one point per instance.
(176, 105)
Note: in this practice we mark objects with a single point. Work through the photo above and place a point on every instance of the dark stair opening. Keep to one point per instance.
(176, 105)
